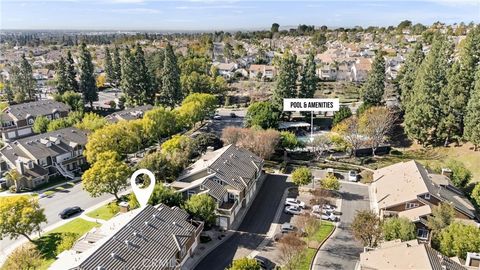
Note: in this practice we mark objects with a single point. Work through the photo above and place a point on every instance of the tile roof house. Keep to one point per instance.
(406, 255)
(406, 189)
(38, 157)
(157, 237)
(17, 120)
(230, 175)
(129, 114)
(264, 71)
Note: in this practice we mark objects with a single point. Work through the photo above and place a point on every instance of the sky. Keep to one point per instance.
(226, 15)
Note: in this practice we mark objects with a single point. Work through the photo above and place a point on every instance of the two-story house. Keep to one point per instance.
(129, 114)
(38, 157)
(157, 237)
(262, 71)
(17, 120)
(406, 189)
(230, 175)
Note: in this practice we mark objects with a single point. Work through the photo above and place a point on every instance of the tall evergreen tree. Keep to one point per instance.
(408, 73)
(144, 80)
(61, 80)
(155, 66)
(421, 120)
(117, 67)
(374, 87)
(469, 59)
(286, 81)
(72, 74)
(23, 83)
(453, 101)
(171, 93)
(109, 72)
(87, 84)
(472, 117)
(309, 79)
(129, 80)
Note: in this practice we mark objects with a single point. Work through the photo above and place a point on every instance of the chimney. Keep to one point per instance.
(19, 166)
(447, 172)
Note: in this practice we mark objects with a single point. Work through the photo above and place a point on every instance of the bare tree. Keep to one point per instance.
(259, 141)
(376, 123)
(320, 145)
(290, 246)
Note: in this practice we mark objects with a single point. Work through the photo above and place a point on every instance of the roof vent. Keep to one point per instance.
(146, 223)
(174, 223)
(154, 215)
(135, 233)
(100, 268)
(113, 255)
(127, 243)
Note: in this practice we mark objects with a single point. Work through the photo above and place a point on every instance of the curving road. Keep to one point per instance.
(254, 227)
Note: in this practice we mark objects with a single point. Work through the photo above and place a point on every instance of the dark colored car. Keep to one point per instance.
(265, 263)
(233, 115)
(70, 211)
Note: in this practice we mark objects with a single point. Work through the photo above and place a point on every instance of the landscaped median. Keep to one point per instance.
(105, 212)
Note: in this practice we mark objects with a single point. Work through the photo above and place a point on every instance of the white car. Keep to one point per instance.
(329, 217)
(323, 208)
(294, 202)
(217, 117)
(287, 227)
(352, 176)
(292, 210)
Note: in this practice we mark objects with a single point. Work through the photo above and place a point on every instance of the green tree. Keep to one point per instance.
(117, 67)
(20, 216)
(67, 242)
(263, 114)
(442, 216)
(196, 107)
(61, 79)
(421, 120)
(177, 144)
(40, 125)
(155, 66)
(203, 140)
(91, 121)
(25, 257)
(166, 168)
(128, 82)
(367, 228)
(245, 263)
(109, 174)
(109, 71)
(202, 206)
(289, 140)
(469, 60)
(274, 28)
(374, 87)
(461, 176)
(457, 239)
(73, 99)
(159, 123)
(343, 113)
(476, 194)
(302, 176)
(171, 93)
(87, 84)
(308, 82)
(398, 228)
(286, 80)
(144, 80)
(228, 51)
(408, 72)
(71, 73)
(23, 83)
(162, 194)
(330, 182)
(472, 115)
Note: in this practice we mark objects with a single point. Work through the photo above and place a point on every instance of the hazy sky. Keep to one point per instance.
(226, 15)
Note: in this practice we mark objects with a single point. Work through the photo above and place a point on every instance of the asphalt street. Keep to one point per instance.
(74, 196)
(254, 226)
(342, 251)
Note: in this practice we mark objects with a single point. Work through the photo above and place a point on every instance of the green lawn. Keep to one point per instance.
(47, 244)
(306, 257)
(104, 212)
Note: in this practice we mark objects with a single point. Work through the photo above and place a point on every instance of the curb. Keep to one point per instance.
(312, 263)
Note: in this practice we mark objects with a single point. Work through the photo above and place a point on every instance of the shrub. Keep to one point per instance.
(68, 239)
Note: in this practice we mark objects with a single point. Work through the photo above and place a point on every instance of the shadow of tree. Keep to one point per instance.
(47, 244)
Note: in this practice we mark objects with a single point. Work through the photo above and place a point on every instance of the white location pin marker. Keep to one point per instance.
(142, 194)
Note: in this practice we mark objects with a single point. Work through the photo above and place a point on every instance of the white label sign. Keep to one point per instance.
(311, 104)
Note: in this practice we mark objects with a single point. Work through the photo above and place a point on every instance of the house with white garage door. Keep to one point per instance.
(230, 175)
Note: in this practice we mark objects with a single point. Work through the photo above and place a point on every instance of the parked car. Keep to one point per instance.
(330, 171)
(70, 211)
(217, 117)
(264, 263)
(325, 207)
(294, 202)
(287, 227)
(329, 217)
(233, 115)
(352, 176)
(292, 210)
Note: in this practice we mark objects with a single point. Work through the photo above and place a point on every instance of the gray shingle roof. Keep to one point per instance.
(36, 108)
(153, 234)
(215, 189)
(129, 114)
(439, 261)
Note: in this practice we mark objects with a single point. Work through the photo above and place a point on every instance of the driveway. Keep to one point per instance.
(254, 227)
(217, 126)
(74, 196)
(342, 251)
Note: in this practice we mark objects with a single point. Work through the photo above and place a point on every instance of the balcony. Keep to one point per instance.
(227, 208)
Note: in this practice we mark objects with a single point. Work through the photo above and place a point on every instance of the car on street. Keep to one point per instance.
(352, 176)
(217, 117)
(292, 210)
(70, 211)
(233, 115)
(294, 202)
(264, 263)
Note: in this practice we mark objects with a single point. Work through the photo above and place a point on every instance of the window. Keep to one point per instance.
(231, 196)
(190, 193)
(427, 196)
(422, 233)
(411, 205)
